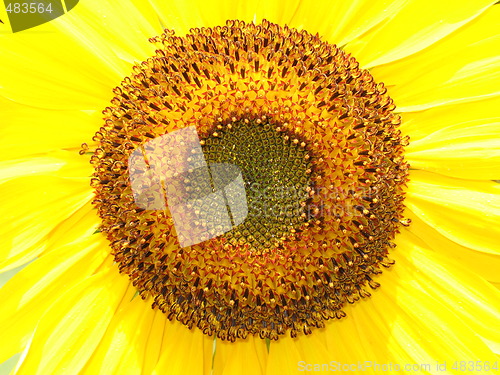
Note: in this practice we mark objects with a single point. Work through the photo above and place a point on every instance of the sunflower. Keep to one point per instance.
(303, 231)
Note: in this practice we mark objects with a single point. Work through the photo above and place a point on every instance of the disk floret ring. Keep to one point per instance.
(250, 179)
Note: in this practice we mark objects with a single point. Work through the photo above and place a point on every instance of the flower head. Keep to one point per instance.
(249, 189)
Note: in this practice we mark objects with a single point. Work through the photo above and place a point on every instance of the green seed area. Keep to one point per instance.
(276, 173)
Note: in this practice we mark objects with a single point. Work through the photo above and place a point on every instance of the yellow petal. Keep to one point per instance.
(411, 320)
(121, 30)
(247, 356)
(80, 225)
(340, 22)
(30, 166)
(55, 163)
(289, 356)
(337, 23)
(371, 326)
(77, 228)
(79, 56)
(430, 337)
(71, 329)
(481, 263)
(419, 24)
(461, 302)
(154, 341)
(173, 15)
(363, 338)
(29, 131)
(460, 68)
(468, 150)
(284, 357)
(426, 311)
(31, 208)
(65, 76)
(467, 212)
(122, 349)
(27, 296)
(184, 351)
(419, 125)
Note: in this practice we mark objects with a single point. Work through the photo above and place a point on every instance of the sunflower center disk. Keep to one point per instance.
(283, 208)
